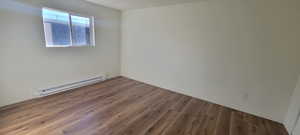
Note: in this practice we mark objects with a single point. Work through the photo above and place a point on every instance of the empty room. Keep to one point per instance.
(150, 67)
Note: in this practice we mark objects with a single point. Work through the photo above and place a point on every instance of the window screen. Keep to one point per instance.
(80, 30)
(63, 29)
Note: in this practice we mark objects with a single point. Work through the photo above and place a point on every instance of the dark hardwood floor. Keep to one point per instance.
(126, 107)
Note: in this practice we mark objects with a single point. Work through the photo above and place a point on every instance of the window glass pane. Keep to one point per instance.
(81, 30)
(56, 27)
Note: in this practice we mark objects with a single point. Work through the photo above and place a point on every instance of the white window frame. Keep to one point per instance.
(92, 29)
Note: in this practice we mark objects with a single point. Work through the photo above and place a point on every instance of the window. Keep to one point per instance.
(64, 29)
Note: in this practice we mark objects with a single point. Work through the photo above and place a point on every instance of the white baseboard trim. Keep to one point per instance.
(70, 86)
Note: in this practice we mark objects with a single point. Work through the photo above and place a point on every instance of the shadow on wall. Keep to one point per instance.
(33, 7)
(18, 6)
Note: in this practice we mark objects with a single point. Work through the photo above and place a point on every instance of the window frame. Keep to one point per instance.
(92, 29)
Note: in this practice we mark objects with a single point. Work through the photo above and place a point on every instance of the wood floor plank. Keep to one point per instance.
(122, 106)
(162, 124)
(91, 110)
(238, 126)
(223, 122)
(61, 112)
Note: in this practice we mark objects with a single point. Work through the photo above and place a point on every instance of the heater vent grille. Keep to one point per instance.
(70, 86)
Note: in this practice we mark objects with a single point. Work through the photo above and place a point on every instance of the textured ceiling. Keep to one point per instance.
(136, 4)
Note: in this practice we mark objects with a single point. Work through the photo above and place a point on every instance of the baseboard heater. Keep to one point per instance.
(70, 86)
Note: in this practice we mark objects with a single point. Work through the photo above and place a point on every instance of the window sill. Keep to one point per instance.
(67, 46)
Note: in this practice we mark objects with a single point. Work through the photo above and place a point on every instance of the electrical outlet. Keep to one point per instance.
(107, 76)
(245, 96)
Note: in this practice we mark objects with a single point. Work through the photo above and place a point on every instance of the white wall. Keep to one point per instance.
(293, 110)
(27, 66)
(242, 54)
(297, 129)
